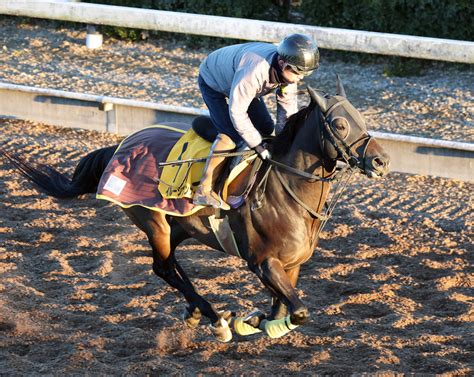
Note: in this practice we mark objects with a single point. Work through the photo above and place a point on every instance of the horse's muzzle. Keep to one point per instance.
(377, 166)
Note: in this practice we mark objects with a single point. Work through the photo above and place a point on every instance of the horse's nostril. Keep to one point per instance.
(377, 162)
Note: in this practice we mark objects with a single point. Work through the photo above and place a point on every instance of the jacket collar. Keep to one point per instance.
(276, 74)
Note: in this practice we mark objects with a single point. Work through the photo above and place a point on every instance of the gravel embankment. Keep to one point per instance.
(437, 104)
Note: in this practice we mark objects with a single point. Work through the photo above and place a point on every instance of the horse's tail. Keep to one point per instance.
(51, 182)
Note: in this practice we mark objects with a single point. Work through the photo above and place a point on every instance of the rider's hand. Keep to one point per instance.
(262, 152)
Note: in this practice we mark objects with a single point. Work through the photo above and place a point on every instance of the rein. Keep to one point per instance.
(339, 177)
(301, 173)
(310, 177)
(343, 177)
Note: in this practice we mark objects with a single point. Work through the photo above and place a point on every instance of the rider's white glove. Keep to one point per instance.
(263, 152)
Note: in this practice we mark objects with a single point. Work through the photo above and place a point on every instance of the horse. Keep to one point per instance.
(275, 237)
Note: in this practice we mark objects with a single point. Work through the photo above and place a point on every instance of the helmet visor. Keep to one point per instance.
(300, 71)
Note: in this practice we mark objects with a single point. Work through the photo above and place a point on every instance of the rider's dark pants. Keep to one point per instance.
(219, 111)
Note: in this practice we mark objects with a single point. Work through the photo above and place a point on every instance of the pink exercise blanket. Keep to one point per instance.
(132, 175)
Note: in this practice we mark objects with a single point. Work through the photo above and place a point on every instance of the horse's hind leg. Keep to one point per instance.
(163, 239)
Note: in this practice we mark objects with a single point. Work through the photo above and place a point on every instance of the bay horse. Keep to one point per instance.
(274, 238)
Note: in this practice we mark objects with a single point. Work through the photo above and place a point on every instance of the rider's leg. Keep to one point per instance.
(219, 111)
(205, 194)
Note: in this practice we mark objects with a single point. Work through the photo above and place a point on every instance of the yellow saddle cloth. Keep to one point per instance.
(182, 180)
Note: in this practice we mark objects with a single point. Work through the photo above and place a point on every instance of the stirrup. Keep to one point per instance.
(210, 199)
(235, 201)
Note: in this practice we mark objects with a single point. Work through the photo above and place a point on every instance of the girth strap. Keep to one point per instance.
(224, 234)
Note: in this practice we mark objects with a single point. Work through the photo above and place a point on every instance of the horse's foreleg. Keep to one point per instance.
(251, 324)
(274, 277)
(279, 309)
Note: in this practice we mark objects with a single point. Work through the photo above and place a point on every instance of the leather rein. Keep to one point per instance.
(343, 177)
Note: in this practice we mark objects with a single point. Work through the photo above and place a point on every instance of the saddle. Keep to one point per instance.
(202, 125)
(135, 177)
(181, 180)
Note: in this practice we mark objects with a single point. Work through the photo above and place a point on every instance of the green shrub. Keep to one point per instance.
(431, 18)
(230, 8)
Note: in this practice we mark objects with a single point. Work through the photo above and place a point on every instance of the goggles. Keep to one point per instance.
(300, 71)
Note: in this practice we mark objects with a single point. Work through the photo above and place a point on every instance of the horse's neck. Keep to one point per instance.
(302, 153)
(305, 152)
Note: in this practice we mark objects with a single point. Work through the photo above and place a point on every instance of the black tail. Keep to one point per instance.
(48, 180)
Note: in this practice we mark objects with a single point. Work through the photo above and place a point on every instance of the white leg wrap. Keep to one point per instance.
(243, 328)
(278, 327)
(222, 331)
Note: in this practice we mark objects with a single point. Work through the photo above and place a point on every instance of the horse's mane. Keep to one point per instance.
(284, 139)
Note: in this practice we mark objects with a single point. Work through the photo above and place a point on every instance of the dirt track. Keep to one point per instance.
(389, 288)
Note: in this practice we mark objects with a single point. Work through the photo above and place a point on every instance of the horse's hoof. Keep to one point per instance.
(300, 316)
(278, 327)
(226, 314)
(221, 330)
(250, 324)
(192, 319)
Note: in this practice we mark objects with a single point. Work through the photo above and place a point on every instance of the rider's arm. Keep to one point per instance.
(245, 86)
(287, 105)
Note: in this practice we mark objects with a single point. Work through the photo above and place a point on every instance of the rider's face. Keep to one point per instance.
(289, 74)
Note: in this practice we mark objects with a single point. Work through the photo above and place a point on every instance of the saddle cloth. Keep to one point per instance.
(133, 177)
(181, 181)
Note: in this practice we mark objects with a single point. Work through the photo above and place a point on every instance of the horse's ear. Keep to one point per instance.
(339, 87)
(318, 99)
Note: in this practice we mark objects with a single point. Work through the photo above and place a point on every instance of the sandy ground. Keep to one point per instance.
(389, 288)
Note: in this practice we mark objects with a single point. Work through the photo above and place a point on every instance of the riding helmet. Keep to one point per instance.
(300, 52)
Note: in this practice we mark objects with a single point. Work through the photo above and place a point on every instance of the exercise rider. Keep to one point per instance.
(233, 81)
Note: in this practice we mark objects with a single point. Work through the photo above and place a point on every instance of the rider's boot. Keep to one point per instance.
(205, 194)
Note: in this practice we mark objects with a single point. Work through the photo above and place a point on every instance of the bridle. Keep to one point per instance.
(343, 177)
(344, 150)
(339, 144)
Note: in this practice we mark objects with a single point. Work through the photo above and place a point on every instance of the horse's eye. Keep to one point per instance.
(341, 126)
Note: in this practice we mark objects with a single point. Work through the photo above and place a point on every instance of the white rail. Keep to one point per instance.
(104, 100)
(238, 28)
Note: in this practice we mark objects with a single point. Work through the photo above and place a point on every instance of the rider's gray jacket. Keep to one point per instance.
(242, 73)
